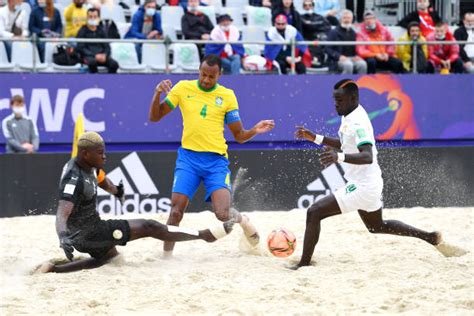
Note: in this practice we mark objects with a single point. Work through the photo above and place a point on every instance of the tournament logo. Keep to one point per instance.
(398, 102)
(219, 101)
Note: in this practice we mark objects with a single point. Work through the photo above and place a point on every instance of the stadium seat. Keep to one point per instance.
(123, 28)
(22, 56)
(133, 10)
(5, 65)
(154, 56)
(237, 3)
(298, 6)
(64, 3)
(253, 33)
(170, 32)
(259, 16)
(112, 12)
(217, 4)
(210, 12)
(396, 31)
(171, 16)
(48, 58)
(126, 56)
(235, 14)
(60, 8)
(253, 49)
(186, 58)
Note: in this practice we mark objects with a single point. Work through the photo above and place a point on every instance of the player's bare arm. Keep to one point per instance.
(242, 135)
(116, 190)
(304, 133)
(364, 157)
(65, 238)
(160, 109)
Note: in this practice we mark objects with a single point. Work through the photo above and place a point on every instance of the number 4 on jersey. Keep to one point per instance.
(204, 111)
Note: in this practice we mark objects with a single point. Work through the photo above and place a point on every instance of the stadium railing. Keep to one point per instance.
(168, 42)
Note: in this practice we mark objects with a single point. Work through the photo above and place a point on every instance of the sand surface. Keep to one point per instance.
(354, 272)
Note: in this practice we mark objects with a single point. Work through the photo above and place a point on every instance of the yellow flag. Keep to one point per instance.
(78, 131)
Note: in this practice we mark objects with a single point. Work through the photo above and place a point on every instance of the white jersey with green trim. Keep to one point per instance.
(356, 130)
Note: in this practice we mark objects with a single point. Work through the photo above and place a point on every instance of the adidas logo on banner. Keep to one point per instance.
(330, 180)
(140, 190)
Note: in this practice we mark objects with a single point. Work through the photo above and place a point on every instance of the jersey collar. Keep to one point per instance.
(206, 90)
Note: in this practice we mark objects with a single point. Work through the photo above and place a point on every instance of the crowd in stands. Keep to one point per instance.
(315, 20)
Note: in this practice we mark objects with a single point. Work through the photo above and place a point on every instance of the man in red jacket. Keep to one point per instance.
(444, 56)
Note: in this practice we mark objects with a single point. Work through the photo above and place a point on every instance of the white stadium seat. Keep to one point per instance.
(48, 58)
(154, 56)
(126, 56)
(237, 3)
(112, 12)
(22, 56)
(210, 12)
(235, 14)
(186, 58)
(259, 16)
(5, 65)
(171, 16)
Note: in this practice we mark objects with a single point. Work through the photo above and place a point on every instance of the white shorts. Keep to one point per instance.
(355, 196)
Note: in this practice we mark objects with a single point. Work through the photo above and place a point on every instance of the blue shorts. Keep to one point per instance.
(192, 167)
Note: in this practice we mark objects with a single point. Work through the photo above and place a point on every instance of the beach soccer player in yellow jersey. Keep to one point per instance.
(206, 107)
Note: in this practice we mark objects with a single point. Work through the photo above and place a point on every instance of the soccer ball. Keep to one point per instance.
(281, 242)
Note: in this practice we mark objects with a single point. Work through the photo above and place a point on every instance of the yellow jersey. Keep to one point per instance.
(205, 113)
(75, 18)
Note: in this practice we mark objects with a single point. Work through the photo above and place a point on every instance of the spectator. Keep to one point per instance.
(45, 21)
(194, 23)
(405, 52)
(107, 25)
(282, 53)
(95, 54)
(329, 9)
(466, 33)
(377, 56)
(146, 24)
(19, 130)
(344, 58)
(425, 15)
(76, 17)
(287, 8)
(13, 23)
(444, 57)
(315, 28)
(230, 54)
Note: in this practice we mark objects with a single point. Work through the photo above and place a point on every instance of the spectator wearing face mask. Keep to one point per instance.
(287, 8)
(95, 54)
(45, 21)
(146, 24)
(194, 23)
(425, 15)
(405, 52)
(315, 28)
(466, 33)
(19, 130)
(230, 54)
(344, 58)
(282, 32)
(444, 58)
(377, 56)
(13, 23)
(76, 17)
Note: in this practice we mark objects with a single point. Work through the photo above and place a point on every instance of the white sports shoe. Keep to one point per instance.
(250, 231)
(449, 250)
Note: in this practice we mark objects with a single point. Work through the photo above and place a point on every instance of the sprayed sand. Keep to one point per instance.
(355, 272)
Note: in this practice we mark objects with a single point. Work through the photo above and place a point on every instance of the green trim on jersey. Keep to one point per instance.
(171, 105)
(364, 143)
(206, 90)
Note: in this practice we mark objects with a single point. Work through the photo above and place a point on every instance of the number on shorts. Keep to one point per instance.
(204, 111)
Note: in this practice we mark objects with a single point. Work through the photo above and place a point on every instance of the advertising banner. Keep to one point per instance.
(262, 180)
(409, 107)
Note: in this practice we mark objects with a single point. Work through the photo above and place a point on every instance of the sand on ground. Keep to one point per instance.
(354, 272)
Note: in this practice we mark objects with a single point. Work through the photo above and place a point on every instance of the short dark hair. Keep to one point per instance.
(348, 86)
(93, 10)
(466, 13)
(17, 99)
(412, 24)
(439, 24)
(212, 60)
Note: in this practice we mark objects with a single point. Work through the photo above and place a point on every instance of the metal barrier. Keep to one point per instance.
(168, 42)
